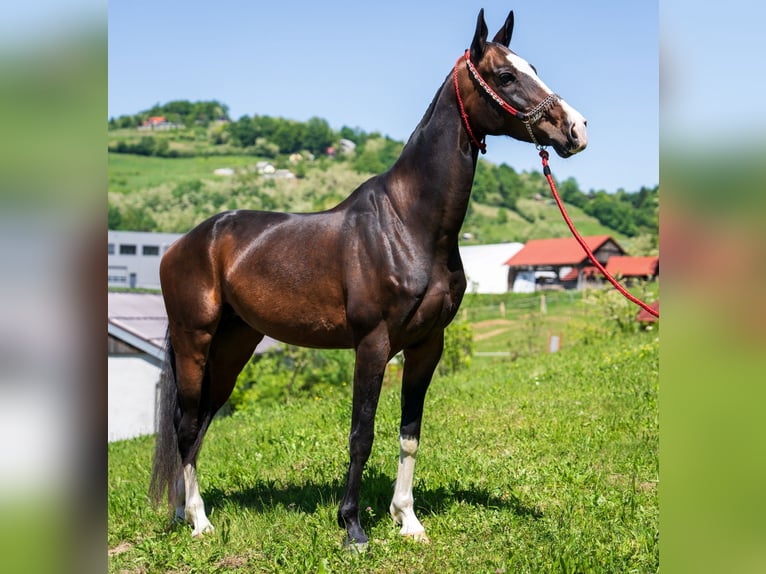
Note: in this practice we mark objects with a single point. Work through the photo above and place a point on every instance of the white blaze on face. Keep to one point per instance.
(575, 119)
(523, 67)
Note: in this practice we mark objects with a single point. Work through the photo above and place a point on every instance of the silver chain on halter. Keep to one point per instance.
(533, 116)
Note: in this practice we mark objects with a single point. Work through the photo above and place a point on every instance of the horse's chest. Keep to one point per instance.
(440, 303)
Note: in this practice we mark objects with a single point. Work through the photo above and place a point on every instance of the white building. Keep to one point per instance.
(136, 325)
(485, 268)
(134, 257)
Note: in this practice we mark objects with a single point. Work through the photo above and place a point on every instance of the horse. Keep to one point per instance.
(379, 273)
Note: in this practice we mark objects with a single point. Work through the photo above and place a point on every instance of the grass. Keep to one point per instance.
(134, 173)
(544, 464)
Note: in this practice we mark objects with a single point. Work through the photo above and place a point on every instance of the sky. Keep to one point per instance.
(377, 66)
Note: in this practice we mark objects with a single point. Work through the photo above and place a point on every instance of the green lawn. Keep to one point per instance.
(132, 173)
(548, 463)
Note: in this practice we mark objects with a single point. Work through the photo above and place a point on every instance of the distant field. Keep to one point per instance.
(134, 173)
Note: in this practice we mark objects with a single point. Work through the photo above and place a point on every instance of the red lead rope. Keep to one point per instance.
(581, 241)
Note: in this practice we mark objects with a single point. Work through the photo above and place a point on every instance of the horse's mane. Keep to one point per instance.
(431, 107)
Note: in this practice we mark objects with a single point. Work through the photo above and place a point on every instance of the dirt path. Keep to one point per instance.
(503, 324)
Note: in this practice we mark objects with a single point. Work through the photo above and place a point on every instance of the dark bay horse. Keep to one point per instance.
(379, 273)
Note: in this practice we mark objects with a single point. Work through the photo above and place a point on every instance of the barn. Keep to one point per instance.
(557, 263)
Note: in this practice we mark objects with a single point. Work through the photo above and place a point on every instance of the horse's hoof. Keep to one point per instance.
(202, 530)
(418, 537)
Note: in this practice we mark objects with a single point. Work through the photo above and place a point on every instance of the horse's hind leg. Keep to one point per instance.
(228, 351)
(419, 365)
(191, 351)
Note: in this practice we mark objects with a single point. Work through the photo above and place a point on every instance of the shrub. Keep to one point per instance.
(458, 347)
(292, 371)
(299, 372)
(609, 314)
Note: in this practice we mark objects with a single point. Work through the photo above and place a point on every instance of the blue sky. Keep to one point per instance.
(377, 66)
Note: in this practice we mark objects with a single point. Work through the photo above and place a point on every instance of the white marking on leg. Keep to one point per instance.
(195, 507)
(402, 504)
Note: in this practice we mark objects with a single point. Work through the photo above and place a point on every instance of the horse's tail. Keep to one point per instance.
(167, 460)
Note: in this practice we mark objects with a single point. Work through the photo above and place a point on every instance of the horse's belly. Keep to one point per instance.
(318, 333)
(318, 321)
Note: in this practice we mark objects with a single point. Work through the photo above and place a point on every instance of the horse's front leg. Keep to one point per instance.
(371, 358)
(419, 365)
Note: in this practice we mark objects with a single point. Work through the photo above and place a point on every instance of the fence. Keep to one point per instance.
(514, 306)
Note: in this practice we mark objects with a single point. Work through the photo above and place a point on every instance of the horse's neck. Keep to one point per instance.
(430, 183)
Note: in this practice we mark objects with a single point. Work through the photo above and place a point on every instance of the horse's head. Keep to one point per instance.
(503, 95)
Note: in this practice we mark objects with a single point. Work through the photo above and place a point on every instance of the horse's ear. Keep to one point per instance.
(503, 35)
(479, 38)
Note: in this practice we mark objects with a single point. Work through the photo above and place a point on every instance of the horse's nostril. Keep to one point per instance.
(573, 133)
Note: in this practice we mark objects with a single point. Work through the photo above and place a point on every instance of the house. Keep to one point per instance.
(618, 266)
(136, 325)
(633, 267)
(154, 121)
(134, 257)
(545, 263)
(346, 146)
(265, 168)
(645, 317)
(484, 266)
(160, 123)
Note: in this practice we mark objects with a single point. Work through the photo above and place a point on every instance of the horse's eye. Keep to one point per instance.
(506, 78)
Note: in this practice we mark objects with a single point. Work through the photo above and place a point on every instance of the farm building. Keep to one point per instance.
(134, 257)
(633, 267)
(485, 266)
(620, 266)
(557, 263)
(136, 325)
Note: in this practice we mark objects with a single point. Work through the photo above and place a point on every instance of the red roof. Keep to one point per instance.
(154, 120)
(632, 266)
(645, 317)
(588, 272)
(560, 251)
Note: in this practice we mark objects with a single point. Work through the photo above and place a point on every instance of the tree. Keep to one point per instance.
(317, 136)
(509, 185)
(288, 136)
(113, 217)
(485, 185)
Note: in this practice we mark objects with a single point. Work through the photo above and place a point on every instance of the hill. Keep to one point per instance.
(172, 166)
